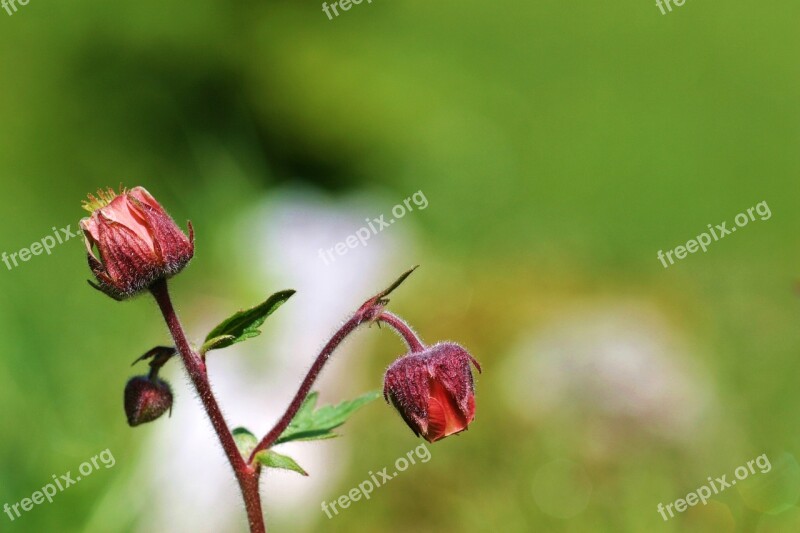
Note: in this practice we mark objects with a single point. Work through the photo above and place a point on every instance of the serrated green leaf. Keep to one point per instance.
(306, 410)
(244, 324)
(314, 435)
(318, 424)
(245, 441)
(271, 459)
(215, 343)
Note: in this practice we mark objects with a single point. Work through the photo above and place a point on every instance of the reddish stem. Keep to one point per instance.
(404, 330)
(367, 313)
(305, 387)
(245, 474)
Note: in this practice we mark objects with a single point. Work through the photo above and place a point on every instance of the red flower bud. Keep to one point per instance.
(146, 399)
(136, 239)
(433, 390)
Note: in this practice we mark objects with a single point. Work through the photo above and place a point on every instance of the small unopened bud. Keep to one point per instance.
(146, 399)
(433, 390)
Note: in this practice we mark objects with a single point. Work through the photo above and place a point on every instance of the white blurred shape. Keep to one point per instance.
(611, 362)
(192, 485)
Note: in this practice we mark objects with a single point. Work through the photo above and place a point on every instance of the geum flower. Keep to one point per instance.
(137, 241)
(433, 390)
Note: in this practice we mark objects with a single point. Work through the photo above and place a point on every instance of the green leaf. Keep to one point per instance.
(244, 324)
(215, 343)
(272, 459)
(316, 424)
(245, 441)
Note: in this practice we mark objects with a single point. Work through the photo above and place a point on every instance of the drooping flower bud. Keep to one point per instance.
(146, 399)
(433, 390)
(136, 239)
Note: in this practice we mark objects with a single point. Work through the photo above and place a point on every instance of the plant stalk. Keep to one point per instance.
(246, 475)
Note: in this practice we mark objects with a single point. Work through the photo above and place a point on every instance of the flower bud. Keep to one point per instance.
(136, 239)
(146, 399)
(433, 390)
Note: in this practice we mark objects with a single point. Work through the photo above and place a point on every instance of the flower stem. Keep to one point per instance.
(305, 387)
(367, 313)
(246, 475)
(404, 330)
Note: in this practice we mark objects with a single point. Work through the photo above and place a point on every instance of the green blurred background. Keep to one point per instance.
(560, 145)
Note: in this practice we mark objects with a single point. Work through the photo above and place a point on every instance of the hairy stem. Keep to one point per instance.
(404, 330)
(305, 387)
(245, 474)
(367, 313)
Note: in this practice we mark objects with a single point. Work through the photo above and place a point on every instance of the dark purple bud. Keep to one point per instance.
(146, 399)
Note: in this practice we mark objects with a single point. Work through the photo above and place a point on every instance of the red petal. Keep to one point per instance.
(141, 194)
(123, 211)
(449, 364)
(444, 413)
(437, 421)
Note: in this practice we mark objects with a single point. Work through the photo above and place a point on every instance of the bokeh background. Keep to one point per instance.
(560, 145)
